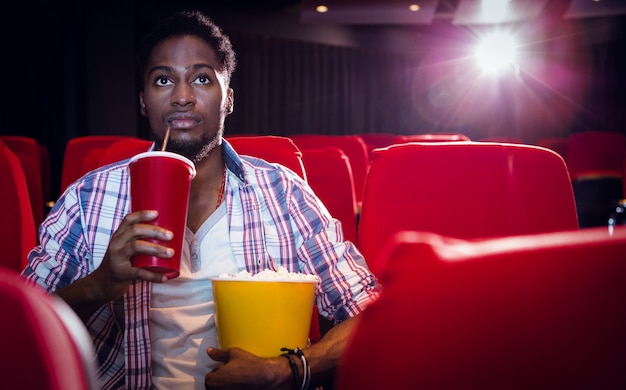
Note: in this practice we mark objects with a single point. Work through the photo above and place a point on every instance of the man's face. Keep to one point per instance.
(185, 90)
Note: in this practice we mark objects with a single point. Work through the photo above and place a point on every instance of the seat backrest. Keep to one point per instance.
(17, 226)
(352, 145)
(329, 174)
(123, 149)
(32, 172)
(29, 153)
(271, 148)
(44, 344)
(22, 145)
(464, 189)
(75, 152)
(592, 154)
(91, 160)
(545, 311)
(595, 160)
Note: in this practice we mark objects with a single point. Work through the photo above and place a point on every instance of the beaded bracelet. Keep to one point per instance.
(306, 376)
(294, 369)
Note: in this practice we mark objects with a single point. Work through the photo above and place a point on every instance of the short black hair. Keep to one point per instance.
(188, 23)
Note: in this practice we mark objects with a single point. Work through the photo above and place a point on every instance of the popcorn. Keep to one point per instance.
(270, 275)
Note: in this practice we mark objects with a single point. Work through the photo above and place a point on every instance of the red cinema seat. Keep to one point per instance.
(32, 171)
(23, 145)
(44, 344)
(464, 189)
(595, 160)
(329, 174)
(592, 154)
(124, 149)
(352, 145)
(271, 148)
(77, 150)
(544, 311)
(91, 160)
(17, 226)
(28, 152)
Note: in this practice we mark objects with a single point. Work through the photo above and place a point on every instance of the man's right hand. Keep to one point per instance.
(115, 274)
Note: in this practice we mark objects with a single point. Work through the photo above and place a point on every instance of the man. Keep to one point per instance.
(150, 332)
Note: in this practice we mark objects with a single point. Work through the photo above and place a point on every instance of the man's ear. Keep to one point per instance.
(142, 104)
(230, 101)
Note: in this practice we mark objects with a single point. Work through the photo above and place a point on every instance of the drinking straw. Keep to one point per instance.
(167, 137)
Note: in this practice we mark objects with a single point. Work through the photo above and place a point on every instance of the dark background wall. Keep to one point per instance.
(68, 71)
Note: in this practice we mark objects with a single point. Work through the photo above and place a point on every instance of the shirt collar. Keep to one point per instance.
(233, 161)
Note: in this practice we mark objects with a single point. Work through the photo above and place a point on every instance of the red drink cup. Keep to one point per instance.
(161, 181)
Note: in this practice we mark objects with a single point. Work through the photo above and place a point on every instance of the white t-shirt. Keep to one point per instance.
(182, 323)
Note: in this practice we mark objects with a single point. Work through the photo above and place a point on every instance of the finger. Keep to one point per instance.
(136, 235)
(135, 225)
(135, 222)
(219, 355)
(151, 248)
(123, 248)
(141, 216)
(134, 218)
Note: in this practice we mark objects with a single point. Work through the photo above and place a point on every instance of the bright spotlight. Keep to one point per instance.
(497, 52)
(321, 9)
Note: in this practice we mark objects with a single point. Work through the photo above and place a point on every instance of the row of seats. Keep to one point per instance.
(596, 162)
(328, 170)
(533, 311)
(469, 190)
(590, 155)
(596, 178)
(329, 164)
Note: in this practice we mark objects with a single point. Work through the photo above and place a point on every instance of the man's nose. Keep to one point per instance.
(183, 95)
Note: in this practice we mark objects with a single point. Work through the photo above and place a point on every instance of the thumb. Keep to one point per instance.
(219, 355)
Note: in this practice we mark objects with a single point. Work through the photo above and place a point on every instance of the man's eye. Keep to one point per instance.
(202, 80)
(162, 81)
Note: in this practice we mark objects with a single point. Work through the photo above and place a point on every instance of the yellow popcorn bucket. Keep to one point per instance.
(263, 316)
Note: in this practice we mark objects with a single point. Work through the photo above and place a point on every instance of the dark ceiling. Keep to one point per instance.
(604, 19)
(432, 16)
(466, 10)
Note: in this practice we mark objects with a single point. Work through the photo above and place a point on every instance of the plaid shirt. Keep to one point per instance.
(274, 219)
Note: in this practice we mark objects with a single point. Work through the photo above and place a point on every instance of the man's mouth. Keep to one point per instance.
(183, 121)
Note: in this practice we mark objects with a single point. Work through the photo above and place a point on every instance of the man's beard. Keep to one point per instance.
(196, 151)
